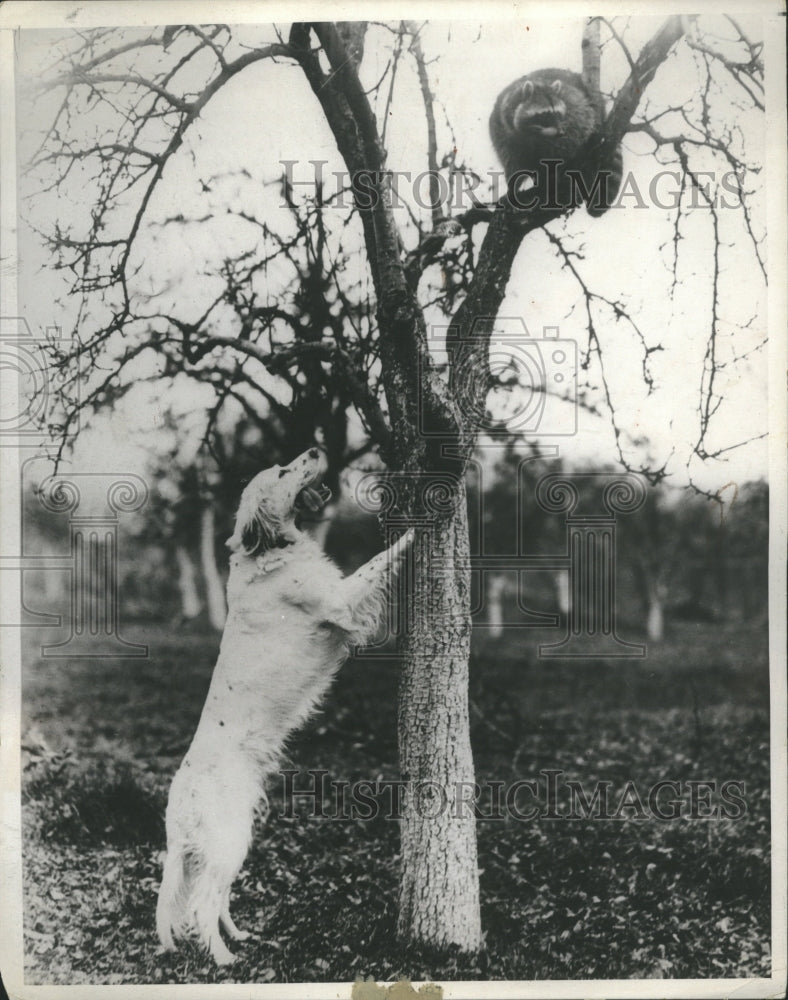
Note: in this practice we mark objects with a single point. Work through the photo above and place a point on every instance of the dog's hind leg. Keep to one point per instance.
(226, 834)
(209, 896)
(228, 923)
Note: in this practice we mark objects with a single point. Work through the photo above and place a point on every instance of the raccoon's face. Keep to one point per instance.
(537, 109)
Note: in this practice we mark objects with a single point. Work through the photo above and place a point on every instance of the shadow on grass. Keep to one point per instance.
(106, 802)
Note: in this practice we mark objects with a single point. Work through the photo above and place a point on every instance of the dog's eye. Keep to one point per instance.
(283, 472)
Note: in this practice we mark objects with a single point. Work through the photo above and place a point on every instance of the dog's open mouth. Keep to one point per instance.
(313, 498)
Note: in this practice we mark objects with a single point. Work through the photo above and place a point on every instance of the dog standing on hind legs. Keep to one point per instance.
(292, 618)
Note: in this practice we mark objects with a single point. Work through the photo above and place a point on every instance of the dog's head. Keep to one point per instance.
(266, 514)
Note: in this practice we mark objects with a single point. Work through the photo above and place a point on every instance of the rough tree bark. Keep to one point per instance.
(439, 885)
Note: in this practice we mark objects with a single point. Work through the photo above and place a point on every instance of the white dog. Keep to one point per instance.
(292, 618)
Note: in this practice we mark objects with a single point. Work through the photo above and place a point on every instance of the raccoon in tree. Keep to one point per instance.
(543, 126)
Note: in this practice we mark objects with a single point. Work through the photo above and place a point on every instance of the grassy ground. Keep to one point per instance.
(573, 899)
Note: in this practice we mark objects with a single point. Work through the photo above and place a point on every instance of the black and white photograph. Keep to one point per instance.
(393, 518)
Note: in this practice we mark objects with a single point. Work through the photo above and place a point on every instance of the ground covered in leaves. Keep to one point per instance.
(596, 898)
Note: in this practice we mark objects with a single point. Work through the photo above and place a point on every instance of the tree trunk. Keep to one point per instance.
(214, 587)
(655, 619)
(495, 590)
(439, 881)
(592, 54)
(653, 596)
(187, 584)
(563, 593)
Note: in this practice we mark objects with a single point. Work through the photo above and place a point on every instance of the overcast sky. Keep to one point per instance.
(268, 115)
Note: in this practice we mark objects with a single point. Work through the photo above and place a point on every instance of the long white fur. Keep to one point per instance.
(291, 620)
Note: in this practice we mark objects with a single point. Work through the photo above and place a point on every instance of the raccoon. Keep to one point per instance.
(550, 115)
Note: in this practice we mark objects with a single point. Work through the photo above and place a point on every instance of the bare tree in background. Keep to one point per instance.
(127, 101)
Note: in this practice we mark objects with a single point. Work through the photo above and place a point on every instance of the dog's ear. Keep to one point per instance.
(256, 533)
